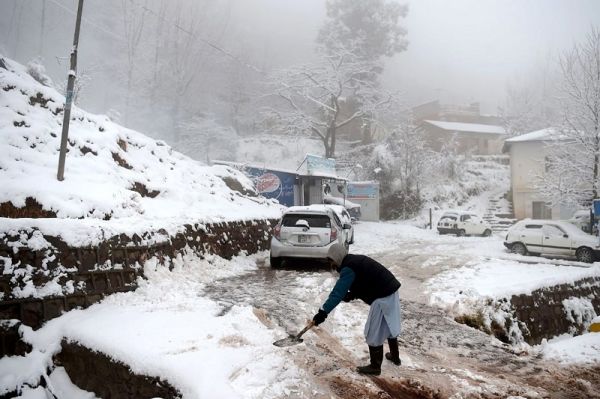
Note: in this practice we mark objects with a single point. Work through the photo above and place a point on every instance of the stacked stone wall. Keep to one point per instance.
(86, 274)
(543, 313)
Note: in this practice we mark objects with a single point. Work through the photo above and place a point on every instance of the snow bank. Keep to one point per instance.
(111, 172)
(166, 328)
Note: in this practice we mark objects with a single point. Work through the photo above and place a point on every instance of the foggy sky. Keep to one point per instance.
(459, 51)
(468, 50)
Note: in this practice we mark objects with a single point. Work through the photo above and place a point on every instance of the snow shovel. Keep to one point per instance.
(294, 339)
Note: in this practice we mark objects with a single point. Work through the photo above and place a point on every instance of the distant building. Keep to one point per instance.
(528, 154)
(470, 131)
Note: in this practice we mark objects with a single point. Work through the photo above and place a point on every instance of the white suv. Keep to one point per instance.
(552, 237)
(463, 223)
(307, 232)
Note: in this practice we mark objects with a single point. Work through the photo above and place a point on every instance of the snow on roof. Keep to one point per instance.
(242, 165)
(538, 135)
(111, 171)
(467, 127)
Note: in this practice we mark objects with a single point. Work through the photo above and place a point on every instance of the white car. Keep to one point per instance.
(352, 207)
(307, 232)
(463, 223)
(581, 219)
(345, 217)
(552, 237)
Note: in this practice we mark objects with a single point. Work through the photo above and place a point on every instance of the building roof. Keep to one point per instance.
(242, 165)
(467, 127)
(548, 133)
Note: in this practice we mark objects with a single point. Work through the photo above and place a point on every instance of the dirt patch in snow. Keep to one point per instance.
(32, 209)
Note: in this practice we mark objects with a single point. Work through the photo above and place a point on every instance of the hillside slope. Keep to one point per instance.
(112, 173)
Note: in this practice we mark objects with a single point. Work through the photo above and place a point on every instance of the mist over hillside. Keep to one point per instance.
(154, 65)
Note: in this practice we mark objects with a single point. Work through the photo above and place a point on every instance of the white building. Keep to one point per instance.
(528, 154)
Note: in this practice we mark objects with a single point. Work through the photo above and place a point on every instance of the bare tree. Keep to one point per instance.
(133, 24)
(312, 98)
(573, 161)
(522, 112)
(202, 137)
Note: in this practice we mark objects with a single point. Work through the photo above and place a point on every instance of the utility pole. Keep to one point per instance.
(69, 97)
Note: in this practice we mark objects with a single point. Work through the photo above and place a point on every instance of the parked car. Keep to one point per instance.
(345, 217)
(463, 223)
(352, 207)
(307, 232)
(581, 219)
(552, 237)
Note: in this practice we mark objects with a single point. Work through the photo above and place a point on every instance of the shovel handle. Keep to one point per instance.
(308, 327)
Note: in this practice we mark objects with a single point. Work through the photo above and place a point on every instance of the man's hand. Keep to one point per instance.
(320, 317)
(349, 297)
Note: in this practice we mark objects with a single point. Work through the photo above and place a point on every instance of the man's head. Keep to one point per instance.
(336, 256)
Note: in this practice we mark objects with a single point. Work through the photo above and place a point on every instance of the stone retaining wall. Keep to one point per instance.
(84, 275)
(544, 315)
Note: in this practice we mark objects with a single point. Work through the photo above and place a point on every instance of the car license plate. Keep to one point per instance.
(303, 239)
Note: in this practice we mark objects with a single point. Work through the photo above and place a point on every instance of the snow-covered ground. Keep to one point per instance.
(168, 328)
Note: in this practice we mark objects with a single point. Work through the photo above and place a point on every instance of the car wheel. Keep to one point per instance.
(487, 233)
(461, 233)
(584, 254)
(519, 249)
(275, 262)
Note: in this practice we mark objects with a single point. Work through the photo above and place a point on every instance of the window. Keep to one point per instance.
(541, 210)
(533, 226)
(313, 220)
(551, 230)
(464, 218)
(337, 219)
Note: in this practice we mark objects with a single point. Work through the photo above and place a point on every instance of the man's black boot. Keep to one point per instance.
(393, 355)
(374, 368)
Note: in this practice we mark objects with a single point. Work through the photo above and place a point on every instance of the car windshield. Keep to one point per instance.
(448, 217)
(313, 220)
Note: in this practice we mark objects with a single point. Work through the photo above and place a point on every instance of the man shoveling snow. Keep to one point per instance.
(364, 278)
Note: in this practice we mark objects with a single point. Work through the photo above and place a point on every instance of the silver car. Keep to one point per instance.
(307, 232)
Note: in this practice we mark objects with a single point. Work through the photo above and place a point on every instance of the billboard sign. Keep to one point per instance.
(363, 191)
(273, 184)
(316, 165)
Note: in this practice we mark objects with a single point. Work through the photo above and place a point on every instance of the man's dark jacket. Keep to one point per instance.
(362, 278)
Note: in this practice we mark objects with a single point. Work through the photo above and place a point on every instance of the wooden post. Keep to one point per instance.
(430, 219)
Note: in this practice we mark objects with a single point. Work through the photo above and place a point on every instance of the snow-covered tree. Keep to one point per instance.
(369, 28)
(312, 98)
(573, 161)
(530, 103)
(524, 111)
(402, 164)
(203, 138)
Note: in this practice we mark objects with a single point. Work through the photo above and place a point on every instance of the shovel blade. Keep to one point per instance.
(289, 341)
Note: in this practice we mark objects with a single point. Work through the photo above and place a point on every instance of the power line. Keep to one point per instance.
(87, 21)
(205, 41)
(159, 17)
